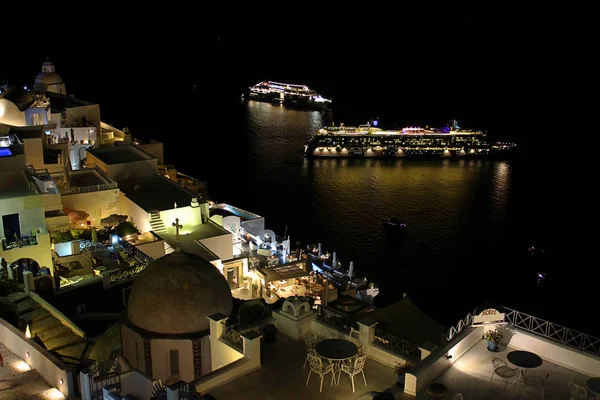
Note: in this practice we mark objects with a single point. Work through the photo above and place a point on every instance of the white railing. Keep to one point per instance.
(460, 325)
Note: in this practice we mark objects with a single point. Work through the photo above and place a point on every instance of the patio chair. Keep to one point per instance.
(355, 338)
(316, 366)
(506, 374)
(310, 342)
(354, 369)
(534, 381)
(578, 392)
(458, 396)
(497, 363)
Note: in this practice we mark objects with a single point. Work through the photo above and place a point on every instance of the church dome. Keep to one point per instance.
(175, 294)
(48, 79)
(45, 79)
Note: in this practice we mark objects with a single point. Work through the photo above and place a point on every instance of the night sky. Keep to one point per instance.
(422, 64)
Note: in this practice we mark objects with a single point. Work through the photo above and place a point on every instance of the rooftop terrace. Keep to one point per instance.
(120, 154)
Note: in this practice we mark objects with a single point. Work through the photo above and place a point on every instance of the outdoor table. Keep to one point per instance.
(436, 390)
(336, 351)
(594, 385)
(524, 359)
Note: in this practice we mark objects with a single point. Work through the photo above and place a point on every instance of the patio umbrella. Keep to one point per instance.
(113, 219)
(75, 215)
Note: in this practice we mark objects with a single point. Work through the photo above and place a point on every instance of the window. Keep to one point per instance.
(174, 362)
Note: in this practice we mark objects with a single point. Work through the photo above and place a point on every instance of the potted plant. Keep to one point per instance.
(493, 337)
(401, 369)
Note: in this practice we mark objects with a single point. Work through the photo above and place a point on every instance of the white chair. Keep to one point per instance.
(497, 363)
(355, 338)
(577, 392)
(506, 374)
(458, 396)
(534, 381)
(310, 342)
(316, 366)
(355, 368)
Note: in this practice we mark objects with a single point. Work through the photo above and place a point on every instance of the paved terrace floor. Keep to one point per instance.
(471, 374)
(282, 377)
(19, 382)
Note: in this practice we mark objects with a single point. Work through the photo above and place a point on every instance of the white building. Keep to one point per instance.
(166, 330)
(26, 195)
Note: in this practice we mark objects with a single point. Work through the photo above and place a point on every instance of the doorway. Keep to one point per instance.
(12, 227)
(232, 277)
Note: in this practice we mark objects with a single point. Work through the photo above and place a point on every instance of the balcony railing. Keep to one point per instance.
(547, 329)
(93, 188)
(338, 321)
(18, 243)
(397, 345)
(140, 255)
(126, 273)
(232, 336)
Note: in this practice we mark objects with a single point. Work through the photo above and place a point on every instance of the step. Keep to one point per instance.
(35, 315)
(54, 332)
(75, 350)
(26, 306)
(62, 340)
(17, 297)
(42, 325)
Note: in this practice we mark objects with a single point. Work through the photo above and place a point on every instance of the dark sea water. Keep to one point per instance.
(470, 222)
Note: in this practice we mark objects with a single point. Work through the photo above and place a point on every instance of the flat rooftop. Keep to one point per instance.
(227, 209)
(87, 177)
(14, 183)
(156, 193)
(192, 234)
(120, 154)
(281, 376)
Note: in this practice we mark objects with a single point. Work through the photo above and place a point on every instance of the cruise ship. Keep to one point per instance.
(371, 141)
(300, 96)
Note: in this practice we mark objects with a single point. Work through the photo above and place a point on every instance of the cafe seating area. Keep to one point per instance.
(506, 374)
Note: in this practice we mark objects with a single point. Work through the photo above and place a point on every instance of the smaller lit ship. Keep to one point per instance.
(300, 96)
(394, 222)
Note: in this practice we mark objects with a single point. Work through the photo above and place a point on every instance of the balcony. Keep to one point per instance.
(24, 241)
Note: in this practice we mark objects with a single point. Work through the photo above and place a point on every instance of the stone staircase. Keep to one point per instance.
(58, 338)
(157, 224)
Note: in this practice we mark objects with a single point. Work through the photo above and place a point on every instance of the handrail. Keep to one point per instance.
(397, 344)
(547, 329)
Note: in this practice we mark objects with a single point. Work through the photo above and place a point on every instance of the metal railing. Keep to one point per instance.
(547, 329)
(24, 241)
(85, 244)
(232, 336)
(93, 188)
(134, 251)
(126, 273)
(338, 321)
(462, 324)
(397, 345)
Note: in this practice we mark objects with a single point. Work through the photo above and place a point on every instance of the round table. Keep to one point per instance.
(336, 349)
(524, 359)
(594, 385)
(436, 390)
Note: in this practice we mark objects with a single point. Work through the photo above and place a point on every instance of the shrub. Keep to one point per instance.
(126, 228)
(62, 237)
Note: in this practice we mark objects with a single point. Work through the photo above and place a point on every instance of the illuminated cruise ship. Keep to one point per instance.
(370, 141)
(300, 96)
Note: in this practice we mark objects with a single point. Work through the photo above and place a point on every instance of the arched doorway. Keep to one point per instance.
(26, 264)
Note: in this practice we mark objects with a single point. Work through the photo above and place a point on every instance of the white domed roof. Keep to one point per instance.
(175, 294)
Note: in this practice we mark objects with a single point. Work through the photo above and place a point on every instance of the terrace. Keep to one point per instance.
(84, 180)
(463, 364)
(110, 264)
